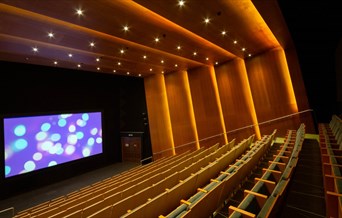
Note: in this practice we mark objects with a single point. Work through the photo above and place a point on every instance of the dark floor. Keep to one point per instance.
(305, 194)
(32, 198)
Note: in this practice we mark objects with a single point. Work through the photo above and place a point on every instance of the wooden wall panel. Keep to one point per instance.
(181, 112)
(236, 100)
(208, 114)
(272, 90)
(159, 116)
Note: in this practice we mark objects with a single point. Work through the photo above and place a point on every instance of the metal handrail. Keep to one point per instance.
(238, 129)
(7, 209)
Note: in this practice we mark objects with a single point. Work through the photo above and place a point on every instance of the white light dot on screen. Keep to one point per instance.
(52, 163)
(85, 117)
(62, 122)
(91, 141)
(93, 131)
(72, 128)
(20, 144)
(37, 156)
(53, 150)
(20, 130)
(72, 139)
(29, 165)
(79, 135)
(55, 137)
(59, 148)
(99, 140)
(45, 127)
(86, 152)
(46, 145)
(65, 115)
(81, 123)
(70, 149)
(40, 136)
(7, 170)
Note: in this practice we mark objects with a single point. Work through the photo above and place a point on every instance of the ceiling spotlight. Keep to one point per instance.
(79, 12)
(216, 63)
(55, 62)
(179, 47)
(195, 53)
(127, 73)
(144, 56)
(206, 20)
(207, 59)
(249, 55)
(176, 65)
(114, 71)
(125, 28)
(79, 65)
(97, 59)
(139, 74)
(98, 68)
(35, 49)
(119, 63)
(243, 49)
(151, 69)
(156, 39)
(223, 33)
(162, 61)
(181, 3)
(51, 35)
(122, 51)
(235, 42)
(70, 55)
(92, 44)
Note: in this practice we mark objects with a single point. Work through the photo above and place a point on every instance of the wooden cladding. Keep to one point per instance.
(208, 105)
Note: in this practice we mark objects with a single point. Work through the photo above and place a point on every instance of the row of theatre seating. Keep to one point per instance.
(191, 184)
(262, 197)
(330, 138)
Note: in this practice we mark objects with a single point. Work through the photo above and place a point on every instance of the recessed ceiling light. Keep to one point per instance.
(151, 69)
(207, 59)
(139, 74)
(79, 65)
(181, 3)
(179, 47)
(162, 72)
(162, 61)
(114, 71)
(195, 53)
(98, 68)
(125, 28)
(249, 55)
(51, 34)
(243, 49)
(224, 33)
(127, 73)
(235, 42)
(92, 44)
(35, 49)
(97, 59)
(70, 55)
(176, 65)
(156, 39)
(122, 51)
(79, 12)
(119, 63)
(216, 63)
(206, 20)
(144, 56)
(55, 62)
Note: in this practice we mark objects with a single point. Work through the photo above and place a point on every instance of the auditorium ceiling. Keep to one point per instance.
(137, 38)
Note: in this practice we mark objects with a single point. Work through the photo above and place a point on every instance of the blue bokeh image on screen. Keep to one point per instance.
(37, 142)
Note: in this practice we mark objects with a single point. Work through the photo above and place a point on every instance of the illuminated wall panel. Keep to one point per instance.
(210, 126)
(272, 90)
(159, 116)
(181, 111)
(236, 100)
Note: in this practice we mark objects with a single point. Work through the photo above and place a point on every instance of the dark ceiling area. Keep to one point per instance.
(316, 30)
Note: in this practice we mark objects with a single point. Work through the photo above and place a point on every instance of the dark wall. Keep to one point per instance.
(30, 90)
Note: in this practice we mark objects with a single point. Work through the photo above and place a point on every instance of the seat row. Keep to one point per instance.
(107, 188)
(330, 139)
(211, 196)
(262, 199)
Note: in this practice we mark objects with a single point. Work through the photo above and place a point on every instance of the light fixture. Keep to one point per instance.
(92, 44)
(114, 71)
(51, 35)
(122, 51)
(139, 74)
(151, 69)
(119, 63)
(162, 61)
(206, 20)
(223, 33)
(179, 47)
(249, 55)
(156, 39)
(235, 42)
(79, 12)
(98, 68)
(127, 73)
(70, 55)
(35, 49)
(55, 62)
(176, 65)
(181, 3)
(216, 63)
(79, 65)
(162, 72)
(144, 56)
(243, 49)
(97, 59)
(125, 28)
(195, 53)
(207, 59)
